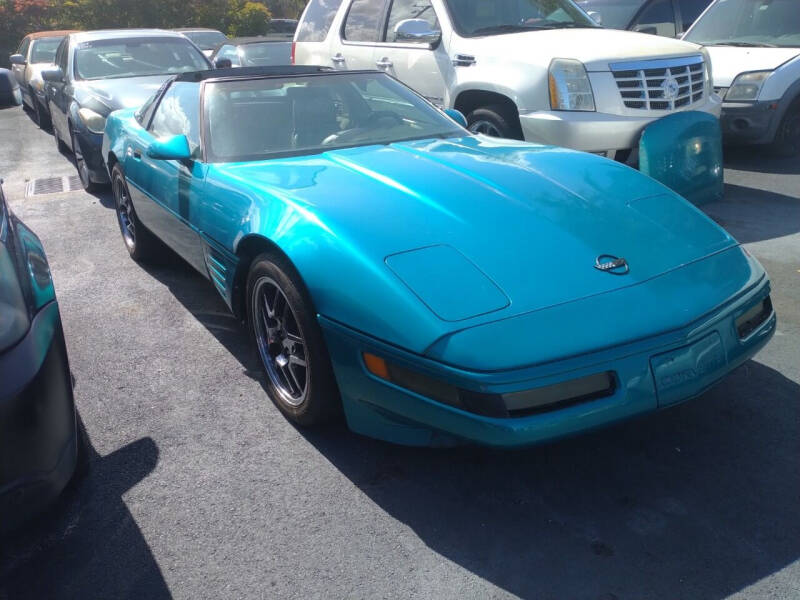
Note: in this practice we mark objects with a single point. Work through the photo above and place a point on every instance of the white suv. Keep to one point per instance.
(541, 70)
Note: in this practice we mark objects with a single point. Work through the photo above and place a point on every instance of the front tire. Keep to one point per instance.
(81, 166)
(139, 241)
(787, 138)
(495, 121)
(282, 322)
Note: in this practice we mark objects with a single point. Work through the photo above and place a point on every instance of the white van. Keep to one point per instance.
(755, 49)
(540, 70)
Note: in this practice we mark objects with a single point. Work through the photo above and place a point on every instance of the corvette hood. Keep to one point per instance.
(728, 62)
(595, 48)
(515, 227)
(114, 94)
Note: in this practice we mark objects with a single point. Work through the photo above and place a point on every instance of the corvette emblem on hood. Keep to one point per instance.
(612, 264)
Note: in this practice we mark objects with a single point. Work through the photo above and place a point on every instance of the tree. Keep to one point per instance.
(250, 18)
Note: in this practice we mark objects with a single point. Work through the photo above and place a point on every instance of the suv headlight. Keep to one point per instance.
(570, 88)
(94, 122)
(747, 86)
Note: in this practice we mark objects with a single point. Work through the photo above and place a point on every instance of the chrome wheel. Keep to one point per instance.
(486, 128)
(280, 341)
(124, 212)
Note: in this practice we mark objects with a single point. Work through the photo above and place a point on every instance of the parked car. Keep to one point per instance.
(355, 227)
(36, 53)
(669, 18)
(98, 72)
(539, 70)
(253, 52)
(10, 94)
(281, 26)
(755, 49)
(40, 442)
(205, 39)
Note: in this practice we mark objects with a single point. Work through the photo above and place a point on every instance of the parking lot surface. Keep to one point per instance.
(199, 488)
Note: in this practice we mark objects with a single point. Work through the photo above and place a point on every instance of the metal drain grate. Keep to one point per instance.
(53, 185)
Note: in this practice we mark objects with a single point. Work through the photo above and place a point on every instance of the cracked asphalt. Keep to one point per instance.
(198, 488)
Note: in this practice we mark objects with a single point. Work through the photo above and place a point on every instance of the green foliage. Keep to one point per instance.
(250, 18)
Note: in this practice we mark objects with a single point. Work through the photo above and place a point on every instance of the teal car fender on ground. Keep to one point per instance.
(492, 271)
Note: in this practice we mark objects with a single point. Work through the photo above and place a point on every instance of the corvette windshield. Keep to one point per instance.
(136, 57)
(263, 118)
(749, 23)
(487, 17)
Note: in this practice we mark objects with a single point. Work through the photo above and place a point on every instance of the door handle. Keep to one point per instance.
(383, 63)
(137, 154)
(337, 58)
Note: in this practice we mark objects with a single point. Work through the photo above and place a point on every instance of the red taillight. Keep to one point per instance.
(293, 47)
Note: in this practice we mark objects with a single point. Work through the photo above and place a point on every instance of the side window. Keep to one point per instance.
(23, 47)
(231, 53)
(145, 113)
(658, 17)
(178, 113)
(317, 19)
(363, 21)
(690, 10)
(410, 9)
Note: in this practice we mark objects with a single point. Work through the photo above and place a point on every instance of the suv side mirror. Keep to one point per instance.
(223, 63)
(417, 31)
(170, 148)
(16, 59)
(54, 75)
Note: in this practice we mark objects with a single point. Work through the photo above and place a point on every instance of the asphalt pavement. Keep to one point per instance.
(199, 488)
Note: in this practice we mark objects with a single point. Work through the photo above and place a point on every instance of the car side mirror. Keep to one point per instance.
(54, 75)
(649, 29)
(17, 59)
(170, 148)
(223, 63)
(596, 16)
(457, 116)
(416, 31)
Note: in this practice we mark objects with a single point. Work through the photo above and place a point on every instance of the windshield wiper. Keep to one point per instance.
(506, 29)
(745, 44)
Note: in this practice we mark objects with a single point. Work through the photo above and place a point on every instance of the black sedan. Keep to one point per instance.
(98, 72)
(40, 442)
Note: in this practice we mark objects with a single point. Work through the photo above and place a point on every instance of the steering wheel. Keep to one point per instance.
(378, 115)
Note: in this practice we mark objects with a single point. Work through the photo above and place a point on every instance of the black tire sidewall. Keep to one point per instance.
(142, 243)
(498, 117)
(322, 400)
(783, 145)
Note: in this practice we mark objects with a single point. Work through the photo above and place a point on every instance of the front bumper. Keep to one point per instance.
(38, 441)
(650, 374)
(595, 131)
(749, 122)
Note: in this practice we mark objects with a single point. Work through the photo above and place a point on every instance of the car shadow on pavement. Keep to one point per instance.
(756, 159)
(753, 215)
(696, 502)
(87, 545)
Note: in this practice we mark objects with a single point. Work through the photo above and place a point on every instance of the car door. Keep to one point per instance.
(420, 65)
(166, 189)
(354, 44)
(59, 92)
(19, 70)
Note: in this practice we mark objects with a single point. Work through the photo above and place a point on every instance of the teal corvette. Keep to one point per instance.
(437, 286)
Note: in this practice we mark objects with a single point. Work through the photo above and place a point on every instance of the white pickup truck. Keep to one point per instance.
(539, 70)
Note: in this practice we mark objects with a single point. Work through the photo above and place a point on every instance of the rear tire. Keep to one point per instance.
(496, 121)
(140, 242)
(283, 325)
(787, 138)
